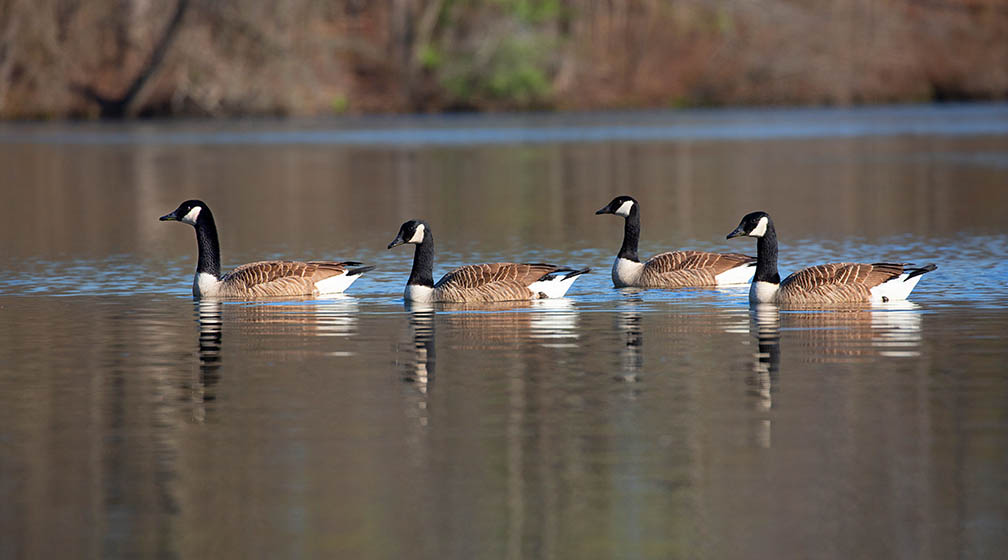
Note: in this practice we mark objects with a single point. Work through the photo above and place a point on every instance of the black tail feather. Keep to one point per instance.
(359, 270)
(921, 270)
(574, 273)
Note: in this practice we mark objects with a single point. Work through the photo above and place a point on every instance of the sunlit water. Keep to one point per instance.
(135, 422)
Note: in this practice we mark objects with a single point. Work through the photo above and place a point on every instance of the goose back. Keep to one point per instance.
(835, 283)
(281, 278)
(680, 269)
(492, 282)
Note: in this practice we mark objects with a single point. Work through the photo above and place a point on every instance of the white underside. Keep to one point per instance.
(763, 292)
(738, 275)
(335, 284)
(419, 294)
(205, 285)
(553, 287)
(625, 272)
(896, 289)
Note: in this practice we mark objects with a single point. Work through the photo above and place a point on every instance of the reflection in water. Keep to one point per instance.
(420, 369)
(832, 335)
(844, 334)
(208, 315)
(764, 326)
(550, 322)
(333, 317)
(554, 323)
(336, 316)
(628, 321)
(898, 325)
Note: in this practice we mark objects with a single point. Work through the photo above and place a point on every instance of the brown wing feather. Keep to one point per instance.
(279, 278)
(491, 282)
(679, 269)
(836, 282)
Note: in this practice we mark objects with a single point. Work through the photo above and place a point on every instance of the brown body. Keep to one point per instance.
(483, 283)
(682, 269)
(836, 283)
(277, 279)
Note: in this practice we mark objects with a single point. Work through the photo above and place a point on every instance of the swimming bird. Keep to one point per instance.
(258, 279)
(833, 283)
(674, 269)
(478, 283)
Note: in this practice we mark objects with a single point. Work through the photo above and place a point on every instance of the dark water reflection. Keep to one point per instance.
(613, 423)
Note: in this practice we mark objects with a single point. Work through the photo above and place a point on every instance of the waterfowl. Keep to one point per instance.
(258, 279)
(673, 269)
(833, 283)
(478, 283)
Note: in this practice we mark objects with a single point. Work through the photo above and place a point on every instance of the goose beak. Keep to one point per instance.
(737, 232)
(167, 217)
(604, 210)
(396, 242)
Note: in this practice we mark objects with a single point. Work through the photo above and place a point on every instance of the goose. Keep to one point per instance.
(258, 279)
(834, 283)
(674, 269)
(477, 283)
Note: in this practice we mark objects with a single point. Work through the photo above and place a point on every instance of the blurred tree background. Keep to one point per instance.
(114, 58)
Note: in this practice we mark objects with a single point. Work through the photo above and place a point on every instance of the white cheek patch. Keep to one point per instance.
(760, 228)
(417, 235)
(190, 218)
(624, 209)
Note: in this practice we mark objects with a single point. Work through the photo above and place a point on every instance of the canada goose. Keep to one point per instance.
(826, 283)
(674, 269)
(258, 279)
(477, 283)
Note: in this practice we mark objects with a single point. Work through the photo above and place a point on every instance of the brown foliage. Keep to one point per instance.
(61, 58)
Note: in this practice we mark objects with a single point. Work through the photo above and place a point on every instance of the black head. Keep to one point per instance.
(621, 206)
(189, 212)
(753, 224)
(413, 231)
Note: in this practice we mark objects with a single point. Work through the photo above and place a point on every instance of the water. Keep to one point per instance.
(135, 422)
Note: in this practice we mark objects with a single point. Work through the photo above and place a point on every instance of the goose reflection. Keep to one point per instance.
(336, 316)
(849, 334)
(764, 326)
(210, 321)
(552, 323)
(628, 322)
(420, 370)
(824, 336)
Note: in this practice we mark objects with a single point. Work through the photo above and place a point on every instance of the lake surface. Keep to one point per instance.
(135, 422)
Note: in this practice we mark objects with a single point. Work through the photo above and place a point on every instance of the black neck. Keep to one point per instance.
(423, 263)
(631, 235)
(766, 257)
(209, 247)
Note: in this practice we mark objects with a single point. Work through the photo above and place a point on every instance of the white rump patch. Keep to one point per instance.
(553, 287)
(624, 209)
(335, 284)
(205, 285)
(738, 275)
(625, 272)
(760, 229)
(190, 217)
(897, 289)
(763, 292)
(418, 293)
(417, 235)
